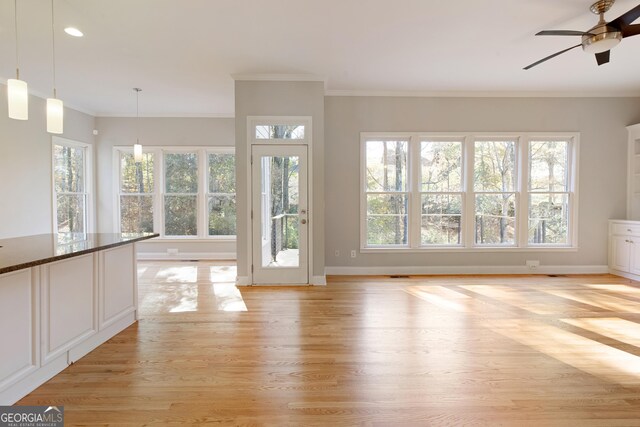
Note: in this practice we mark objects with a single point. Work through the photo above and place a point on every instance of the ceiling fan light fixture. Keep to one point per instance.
(601, 42)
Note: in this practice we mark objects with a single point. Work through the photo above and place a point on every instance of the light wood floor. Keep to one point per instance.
(428, 350)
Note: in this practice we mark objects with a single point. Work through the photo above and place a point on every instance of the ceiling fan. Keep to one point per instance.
(601, 38)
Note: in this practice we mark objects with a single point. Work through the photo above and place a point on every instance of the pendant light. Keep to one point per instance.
(17, 93)
(137, 147)
(55, 108)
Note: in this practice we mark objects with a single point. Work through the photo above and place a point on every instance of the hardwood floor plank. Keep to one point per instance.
(425, 350)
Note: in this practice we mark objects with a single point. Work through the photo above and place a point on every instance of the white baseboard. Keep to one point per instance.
(318, 280)
(182, 256)
(467, 269)
(243, 281)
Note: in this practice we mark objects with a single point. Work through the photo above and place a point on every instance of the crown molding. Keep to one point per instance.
(485, 94)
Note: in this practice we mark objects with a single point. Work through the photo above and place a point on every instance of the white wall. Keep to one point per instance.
(25, 166)
(602, 193)
(117, 131)
(278, 98)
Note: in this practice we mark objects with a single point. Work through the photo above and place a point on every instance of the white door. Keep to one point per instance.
(280, 214)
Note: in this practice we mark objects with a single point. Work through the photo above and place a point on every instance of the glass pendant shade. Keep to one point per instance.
(18, 98)
(55, 116)
(137, 153)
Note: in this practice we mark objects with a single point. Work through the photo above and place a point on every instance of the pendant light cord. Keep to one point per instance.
(53, 49)
(137, 89)
(15, 23)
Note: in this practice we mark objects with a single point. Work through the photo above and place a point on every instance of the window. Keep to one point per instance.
(178, 192)
(137, 193)
(181, 194)
(471, 192)
(387, 192)
(549, 193)
(70, 188)
(441, 192)
(222, 194)
(494, 186)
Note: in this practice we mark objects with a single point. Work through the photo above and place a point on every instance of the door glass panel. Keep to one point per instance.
(280, 182)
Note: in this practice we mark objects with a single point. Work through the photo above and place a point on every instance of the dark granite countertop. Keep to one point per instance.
(25, 252)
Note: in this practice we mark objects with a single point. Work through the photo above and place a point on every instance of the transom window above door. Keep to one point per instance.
(279, 130)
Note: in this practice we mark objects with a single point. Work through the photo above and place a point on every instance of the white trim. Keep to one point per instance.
(169, 115)
(243, 281)
(318, 280)
(89, 186)
(252, 121)
(484, 94)
(279, 77)
(624, 274)
(162, 256)
(466, 269)
(472, 249)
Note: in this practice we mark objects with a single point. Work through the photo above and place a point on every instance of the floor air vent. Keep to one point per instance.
(398, 277)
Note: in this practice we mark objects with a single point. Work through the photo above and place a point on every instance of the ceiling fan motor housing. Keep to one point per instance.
(601, 38)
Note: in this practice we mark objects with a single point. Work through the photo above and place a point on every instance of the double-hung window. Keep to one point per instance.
(137, 193)
(468, 191)
(71, 188)
(387, 192)
(221, 195)
(181, 194)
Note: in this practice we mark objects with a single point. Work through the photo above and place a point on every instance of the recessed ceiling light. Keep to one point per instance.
(73, 32)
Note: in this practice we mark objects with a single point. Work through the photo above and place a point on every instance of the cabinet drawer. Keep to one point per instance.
(626, 229)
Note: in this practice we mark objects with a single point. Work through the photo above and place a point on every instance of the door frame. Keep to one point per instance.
(252, 122)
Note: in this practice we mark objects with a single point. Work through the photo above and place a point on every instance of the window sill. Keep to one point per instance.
(448, 249)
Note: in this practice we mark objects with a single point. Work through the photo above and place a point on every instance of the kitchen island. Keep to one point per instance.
(60, 298)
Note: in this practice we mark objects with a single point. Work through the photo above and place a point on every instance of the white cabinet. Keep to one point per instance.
(53, 314)
(624, 248)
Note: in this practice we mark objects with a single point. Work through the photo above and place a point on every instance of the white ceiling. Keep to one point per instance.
(183, 53)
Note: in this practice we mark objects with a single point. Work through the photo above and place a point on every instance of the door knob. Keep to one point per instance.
(303, 221)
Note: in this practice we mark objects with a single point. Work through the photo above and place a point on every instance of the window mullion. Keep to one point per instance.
(522, 199)
(415, 183)
(468, 208)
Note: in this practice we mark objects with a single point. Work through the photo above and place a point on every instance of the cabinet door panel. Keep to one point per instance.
(16, 326)
(620, 252)
(117, 283)
(69, 300)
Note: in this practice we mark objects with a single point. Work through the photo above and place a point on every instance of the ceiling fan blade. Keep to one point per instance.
(626, 18)
(551, 56)
(603, 57)
(631, 30)
(562, 33)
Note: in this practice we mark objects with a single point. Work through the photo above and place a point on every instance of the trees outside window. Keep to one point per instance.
(468, 191)
(386, 190)
(70, 189)
(178, 192)
(137, 189)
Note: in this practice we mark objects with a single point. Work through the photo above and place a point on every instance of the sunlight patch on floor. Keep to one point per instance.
(223, 274)
(186, 274)
(438, 296)
(579, 352)
(613, 327)
(228, 297)
(188, 300)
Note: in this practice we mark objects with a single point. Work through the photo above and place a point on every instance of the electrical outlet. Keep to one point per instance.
(353, 254)
(172, 251)
(337, 252)
(533, 264)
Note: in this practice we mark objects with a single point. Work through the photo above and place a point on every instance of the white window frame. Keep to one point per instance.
(89, 219)
(159, 193)
(468, 203)
(118, 189)
(216, 150)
